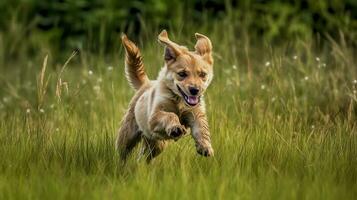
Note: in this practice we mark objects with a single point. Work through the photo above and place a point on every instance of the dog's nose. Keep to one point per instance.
(193, 90)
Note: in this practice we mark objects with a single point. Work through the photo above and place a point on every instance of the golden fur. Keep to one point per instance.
(166, 108)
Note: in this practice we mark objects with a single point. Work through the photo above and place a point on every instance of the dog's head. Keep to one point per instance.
(188, 73)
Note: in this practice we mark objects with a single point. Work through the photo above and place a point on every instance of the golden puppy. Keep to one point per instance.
(166, 108)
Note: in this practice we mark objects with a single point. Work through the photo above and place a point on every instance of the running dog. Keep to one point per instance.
(165, 109)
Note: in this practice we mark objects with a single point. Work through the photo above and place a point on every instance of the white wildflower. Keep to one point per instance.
(28, 110)
(354, 81)
(42, 110)
(52, 106)
(273, 99)
(306, 78)
(90, 72)
(5, 99)
(354, 91)
(234, 67)
(313, 126)
(96, 88)
(317, 59)
(110, 68)
(295, 57)
(262, 87)
(267, 64)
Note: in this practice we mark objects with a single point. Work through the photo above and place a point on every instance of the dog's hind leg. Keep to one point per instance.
(129, 135)
(152, 148)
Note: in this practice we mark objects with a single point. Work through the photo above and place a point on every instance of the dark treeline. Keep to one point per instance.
(96, 24)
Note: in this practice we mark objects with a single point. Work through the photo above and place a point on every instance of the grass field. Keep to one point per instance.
(282, 119)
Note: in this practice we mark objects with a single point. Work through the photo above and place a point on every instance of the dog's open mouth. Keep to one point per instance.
(190, 100)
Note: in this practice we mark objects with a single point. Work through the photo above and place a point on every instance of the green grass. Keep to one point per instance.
(282, 119)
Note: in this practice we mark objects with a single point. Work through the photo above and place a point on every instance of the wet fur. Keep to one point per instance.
(158, 113)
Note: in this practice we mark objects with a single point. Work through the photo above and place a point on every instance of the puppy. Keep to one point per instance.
(166, 108)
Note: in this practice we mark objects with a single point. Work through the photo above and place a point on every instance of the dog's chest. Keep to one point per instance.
(183, 112)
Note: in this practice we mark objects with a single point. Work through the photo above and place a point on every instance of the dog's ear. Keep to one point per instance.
(172, 50)
(204, 47)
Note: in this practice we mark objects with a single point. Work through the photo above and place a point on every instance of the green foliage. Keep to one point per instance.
(96, 24)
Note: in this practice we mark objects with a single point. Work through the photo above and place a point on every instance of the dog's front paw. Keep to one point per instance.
(205, 151)
(176, 131)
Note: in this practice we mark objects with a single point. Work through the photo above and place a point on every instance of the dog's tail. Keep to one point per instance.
(134, 66)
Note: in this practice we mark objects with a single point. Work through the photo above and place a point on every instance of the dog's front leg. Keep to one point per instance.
(201, 134)
(167, 122)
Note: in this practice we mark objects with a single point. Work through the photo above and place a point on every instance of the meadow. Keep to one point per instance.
(282, 118)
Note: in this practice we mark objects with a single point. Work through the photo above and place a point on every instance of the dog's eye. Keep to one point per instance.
(182, 74)
(202, 74)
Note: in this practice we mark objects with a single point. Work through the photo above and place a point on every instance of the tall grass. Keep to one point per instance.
(283, 123)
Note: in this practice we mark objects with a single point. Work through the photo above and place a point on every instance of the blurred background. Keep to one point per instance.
(282, 107)
(29, 26)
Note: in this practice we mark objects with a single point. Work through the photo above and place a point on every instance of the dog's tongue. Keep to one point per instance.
(192, 100)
